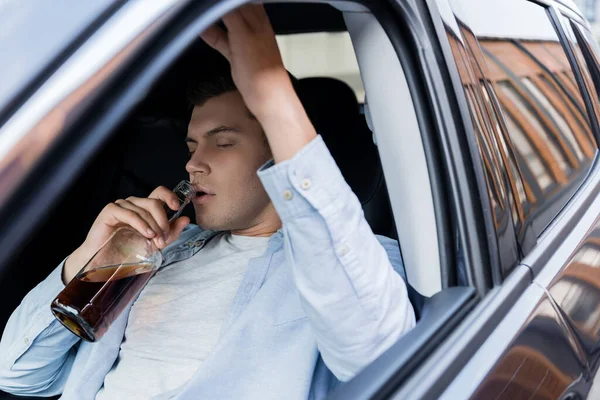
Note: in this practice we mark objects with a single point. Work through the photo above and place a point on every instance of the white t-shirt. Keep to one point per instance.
(176, 321)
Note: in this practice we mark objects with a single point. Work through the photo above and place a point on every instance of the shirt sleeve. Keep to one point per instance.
(36, 351)
(355, 301)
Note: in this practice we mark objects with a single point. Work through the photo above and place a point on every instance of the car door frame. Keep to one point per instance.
(482, 338)
(433, 374)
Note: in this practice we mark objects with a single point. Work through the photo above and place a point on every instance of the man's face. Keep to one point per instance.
(227, 146)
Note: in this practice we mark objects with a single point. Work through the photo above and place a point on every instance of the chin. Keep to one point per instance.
(210, 224)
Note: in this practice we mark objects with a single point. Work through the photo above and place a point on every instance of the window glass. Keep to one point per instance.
(556, 116)
(493, 161)
(518, 107)
(539, 117)
(322, 54)
(531, 156)
(588, 66)
(499, 130)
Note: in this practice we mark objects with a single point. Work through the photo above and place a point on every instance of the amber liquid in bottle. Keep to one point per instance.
(99, 295)
(112, 278)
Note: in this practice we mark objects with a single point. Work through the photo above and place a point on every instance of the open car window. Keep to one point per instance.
(322, 54)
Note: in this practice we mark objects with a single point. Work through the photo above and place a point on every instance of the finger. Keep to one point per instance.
(176, 228)
(166, 196)
(251, 13)
(156, 208)
(263, 23)
(235, 23)
(217, 38)
(147, 217)
(118, 215)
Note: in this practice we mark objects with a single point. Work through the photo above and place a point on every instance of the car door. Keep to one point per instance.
(546, 130)
(513, 312)
(573, 285)
(523, 108)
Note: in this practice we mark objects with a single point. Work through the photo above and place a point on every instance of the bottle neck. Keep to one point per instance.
(184, 191)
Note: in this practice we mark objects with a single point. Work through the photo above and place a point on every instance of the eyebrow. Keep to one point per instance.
(217, 130)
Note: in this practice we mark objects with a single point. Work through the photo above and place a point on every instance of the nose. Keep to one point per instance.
(197, 165)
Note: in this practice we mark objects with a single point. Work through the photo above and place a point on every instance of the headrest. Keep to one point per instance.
(334, 111)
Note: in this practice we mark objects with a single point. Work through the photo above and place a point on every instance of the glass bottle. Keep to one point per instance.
(112, 278)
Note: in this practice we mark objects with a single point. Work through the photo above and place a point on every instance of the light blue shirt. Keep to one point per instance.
(325, 300)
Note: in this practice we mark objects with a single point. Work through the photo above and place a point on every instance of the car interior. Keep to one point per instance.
(148, 150)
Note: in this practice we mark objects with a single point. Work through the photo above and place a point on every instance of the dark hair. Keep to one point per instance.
(200, 91)
(214, 81)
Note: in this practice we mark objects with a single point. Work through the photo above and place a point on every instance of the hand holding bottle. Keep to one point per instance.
(148, 216)
(120, 255)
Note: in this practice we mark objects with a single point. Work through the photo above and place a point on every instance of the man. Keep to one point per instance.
(281, 290)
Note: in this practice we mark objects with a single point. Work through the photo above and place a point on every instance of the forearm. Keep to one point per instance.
(285, 122)
(36, 351)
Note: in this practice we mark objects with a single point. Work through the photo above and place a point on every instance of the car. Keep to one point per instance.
(468, 130)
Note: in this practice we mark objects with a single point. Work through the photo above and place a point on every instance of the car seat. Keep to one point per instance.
(334, 111)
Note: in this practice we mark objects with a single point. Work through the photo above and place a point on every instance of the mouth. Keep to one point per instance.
(202, 197)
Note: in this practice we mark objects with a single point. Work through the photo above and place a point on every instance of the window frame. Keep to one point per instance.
(583, 32)
(573, 210)
(558, 14)
(90, 76)
(575, 170)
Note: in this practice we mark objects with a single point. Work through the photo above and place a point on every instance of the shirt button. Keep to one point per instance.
(287, 194)
(26, 341)
(343, 250)
(306, 184)
(198, 243)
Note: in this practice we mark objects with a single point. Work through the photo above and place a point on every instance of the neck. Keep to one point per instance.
(267, 225)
